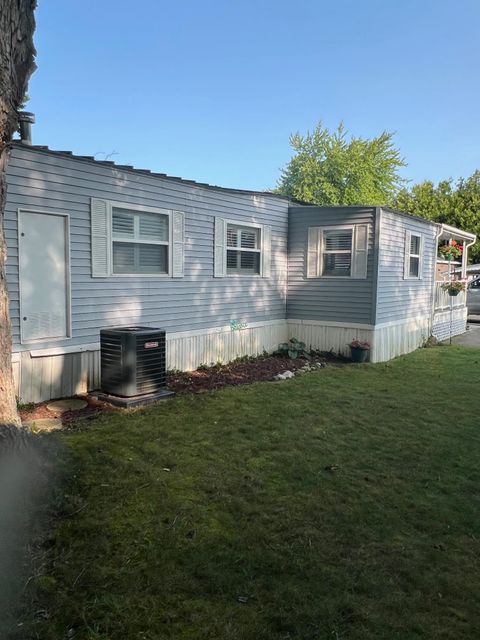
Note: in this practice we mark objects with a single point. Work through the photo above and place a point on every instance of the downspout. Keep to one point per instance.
(464, 257)
(434, 285)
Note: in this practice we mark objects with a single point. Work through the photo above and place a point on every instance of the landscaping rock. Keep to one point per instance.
(43, 424)
(285, 375)
(311, 367)
(68, 404)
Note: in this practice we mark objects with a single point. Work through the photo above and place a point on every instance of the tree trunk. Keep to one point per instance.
(17, 54)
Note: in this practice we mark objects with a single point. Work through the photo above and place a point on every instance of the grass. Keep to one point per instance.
(344, 504)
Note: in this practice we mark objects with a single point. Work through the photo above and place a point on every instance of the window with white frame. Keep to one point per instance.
(336, 252)
(140, 242)
(243, 250)
(413, 255)
(339, 251)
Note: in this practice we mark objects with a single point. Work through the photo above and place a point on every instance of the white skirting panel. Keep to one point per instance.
(42, 375)
(57, 376)
(386, 341)
(446, 325)
(45, 374)
(328, 337)
(186, 352)
(395, 339)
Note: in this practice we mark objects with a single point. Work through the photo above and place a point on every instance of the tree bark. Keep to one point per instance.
(17, 63)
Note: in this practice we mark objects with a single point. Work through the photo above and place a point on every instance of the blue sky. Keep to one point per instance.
(211, 89)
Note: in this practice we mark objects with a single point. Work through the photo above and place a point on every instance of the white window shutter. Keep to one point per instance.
(266, 251)
(178, 244)
(406, 262)
(312, 253)
(360, 258)
(100, 234)
(219, 257)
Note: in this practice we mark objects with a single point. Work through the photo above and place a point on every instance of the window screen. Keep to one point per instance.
(243, 250)
(337, 252)
(414, 256)
(139, 242)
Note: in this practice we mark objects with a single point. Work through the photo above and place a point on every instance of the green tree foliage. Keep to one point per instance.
(328, 168)
(457, 204)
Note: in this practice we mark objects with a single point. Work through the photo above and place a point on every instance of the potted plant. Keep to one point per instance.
(451, 251)
(454, 287)
(359, 350)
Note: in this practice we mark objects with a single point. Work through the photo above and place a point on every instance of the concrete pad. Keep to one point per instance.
(43, 424)
(135, 401)
(68, 404)
(471, 337)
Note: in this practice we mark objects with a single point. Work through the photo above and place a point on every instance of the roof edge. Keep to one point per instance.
(109, 163)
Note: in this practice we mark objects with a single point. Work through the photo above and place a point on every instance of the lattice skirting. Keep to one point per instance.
(444, 325)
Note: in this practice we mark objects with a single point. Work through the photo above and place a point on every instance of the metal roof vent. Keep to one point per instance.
(25, 120)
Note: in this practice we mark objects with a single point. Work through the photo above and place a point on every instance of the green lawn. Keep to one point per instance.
(344, 504)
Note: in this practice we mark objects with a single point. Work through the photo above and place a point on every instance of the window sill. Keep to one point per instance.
(336, 278)
(139, 275)
(243, 275)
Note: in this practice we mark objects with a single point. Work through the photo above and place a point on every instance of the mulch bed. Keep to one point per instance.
(40, 411)
(255, 370)
(215, 377)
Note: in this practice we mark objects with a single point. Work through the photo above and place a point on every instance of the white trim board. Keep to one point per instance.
(358, 325)
(60, 351)
(328, 323)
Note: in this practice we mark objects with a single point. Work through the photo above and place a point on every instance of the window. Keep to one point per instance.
(243, 250)
(139, 242)
(337, 252)
(413, 255)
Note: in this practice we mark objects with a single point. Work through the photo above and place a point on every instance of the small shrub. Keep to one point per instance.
(328, 355)
(204, 366)
(430, 342)
(24, 406)
(292, 349)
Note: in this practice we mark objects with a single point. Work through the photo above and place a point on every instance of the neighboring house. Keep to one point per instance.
(226, 272)
(473, 270)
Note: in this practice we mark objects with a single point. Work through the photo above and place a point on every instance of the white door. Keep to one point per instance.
(44, 276)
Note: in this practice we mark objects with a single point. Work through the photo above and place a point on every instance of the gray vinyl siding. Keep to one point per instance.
(330, 299)
(399, 298)
(43, 181)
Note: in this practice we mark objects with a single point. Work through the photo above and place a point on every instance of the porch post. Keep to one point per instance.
(464, 260)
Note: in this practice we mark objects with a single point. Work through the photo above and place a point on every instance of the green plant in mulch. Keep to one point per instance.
(292, 349)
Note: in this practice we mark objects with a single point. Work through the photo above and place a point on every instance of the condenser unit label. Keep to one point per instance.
(150, 345)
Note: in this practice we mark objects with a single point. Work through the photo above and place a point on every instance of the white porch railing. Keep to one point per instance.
(443, 299)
